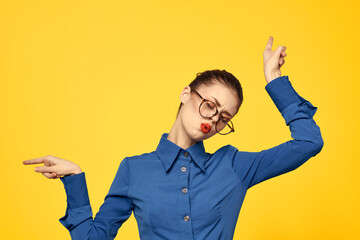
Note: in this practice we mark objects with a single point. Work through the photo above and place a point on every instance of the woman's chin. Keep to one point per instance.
(201, 134)
(198, 134)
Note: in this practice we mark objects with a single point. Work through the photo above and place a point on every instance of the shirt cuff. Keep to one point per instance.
(74, 216)
(76, 190)
(282, 93)
(298, 111)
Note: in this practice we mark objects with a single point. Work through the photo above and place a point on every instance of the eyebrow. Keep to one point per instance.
(217, 103)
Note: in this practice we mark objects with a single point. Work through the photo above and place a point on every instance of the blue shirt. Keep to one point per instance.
(178, 193)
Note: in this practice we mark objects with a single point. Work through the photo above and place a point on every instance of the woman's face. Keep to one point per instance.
(189, 113)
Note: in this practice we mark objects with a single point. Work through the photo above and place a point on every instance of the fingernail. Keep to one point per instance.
(36, 169)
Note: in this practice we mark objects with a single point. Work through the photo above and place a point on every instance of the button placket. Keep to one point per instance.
(183, 184)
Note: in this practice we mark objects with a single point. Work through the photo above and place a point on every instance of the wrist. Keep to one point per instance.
(271, 76)
(76, 171)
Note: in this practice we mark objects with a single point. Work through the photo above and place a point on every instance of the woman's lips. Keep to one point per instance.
(205, 127)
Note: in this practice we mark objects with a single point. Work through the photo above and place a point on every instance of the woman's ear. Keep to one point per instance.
(185, 95)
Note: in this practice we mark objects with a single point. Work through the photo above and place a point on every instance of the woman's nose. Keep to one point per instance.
(215, 118)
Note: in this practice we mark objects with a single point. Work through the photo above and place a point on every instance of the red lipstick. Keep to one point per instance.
(205, 127)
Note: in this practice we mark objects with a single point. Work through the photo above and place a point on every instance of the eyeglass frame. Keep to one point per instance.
(217, 111)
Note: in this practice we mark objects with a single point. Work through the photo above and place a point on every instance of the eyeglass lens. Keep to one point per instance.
(209, 109)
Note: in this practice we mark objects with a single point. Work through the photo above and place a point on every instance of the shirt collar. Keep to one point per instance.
(168, 151)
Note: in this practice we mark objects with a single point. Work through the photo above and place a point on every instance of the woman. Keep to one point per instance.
(179, 191)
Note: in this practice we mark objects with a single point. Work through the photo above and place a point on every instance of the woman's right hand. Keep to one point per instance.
(54, 167)
(273, 60)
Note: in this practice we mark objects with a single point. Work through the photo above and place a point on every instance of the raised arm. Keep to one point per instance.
(255, 167)
(115, 210)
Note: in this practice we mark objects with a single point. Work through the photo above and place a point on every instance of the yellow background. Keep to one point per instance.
(96, 81)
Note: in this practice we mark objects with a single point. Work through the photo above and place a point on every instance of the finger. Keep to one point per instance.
(34, 161)
(279, 49)
(37, 160)
(282, 61)
(269, 43)
(44, 169)
(283, 53)
(57, 176)
(50, 175)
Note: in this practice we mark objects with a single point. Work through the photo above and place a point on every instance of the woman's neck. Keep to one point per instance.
(178, 136)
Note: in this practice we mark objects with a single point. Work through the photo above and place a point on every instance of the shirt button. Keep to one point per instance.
(186, 154)
(183, 169)
(184, 190)
(186, 218)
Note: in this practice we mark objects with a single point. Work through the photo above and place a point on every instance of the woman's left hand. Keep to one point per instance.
(273, 60)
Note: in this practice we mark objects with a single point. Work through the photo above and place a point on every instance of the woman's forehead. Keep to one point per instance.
(225, 96)
(219, 91)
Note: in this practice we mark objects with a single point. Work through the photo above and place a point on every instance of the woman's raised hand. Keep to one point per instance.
(54, 167)
(273, 60)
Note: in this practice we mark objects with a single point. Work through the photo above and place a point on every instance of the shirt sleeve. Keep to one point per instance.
(115, 210)
(255, 167)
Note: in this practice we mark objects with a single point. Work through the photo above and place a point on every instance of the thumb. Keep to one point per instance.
(45, 169)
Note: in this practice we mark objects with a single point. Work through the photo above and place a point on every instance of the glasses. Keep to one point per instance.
(208, 109)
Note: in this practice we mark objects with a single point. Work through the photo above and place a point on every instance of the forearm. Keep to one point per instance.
(78, 216)
(115, 210)
(294, 107)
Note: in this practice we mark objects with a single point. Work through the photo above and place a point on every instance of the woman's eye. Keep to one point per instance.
(225, 120)
(210, 105)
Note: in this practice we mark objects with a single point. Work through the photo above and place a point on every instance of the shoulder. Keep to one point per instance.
(139, 158)
(232, 153)
(226, 150)
(142, 156)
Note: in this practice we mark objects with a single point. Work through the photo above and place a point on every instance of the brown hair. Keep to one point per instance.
(210, 77)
